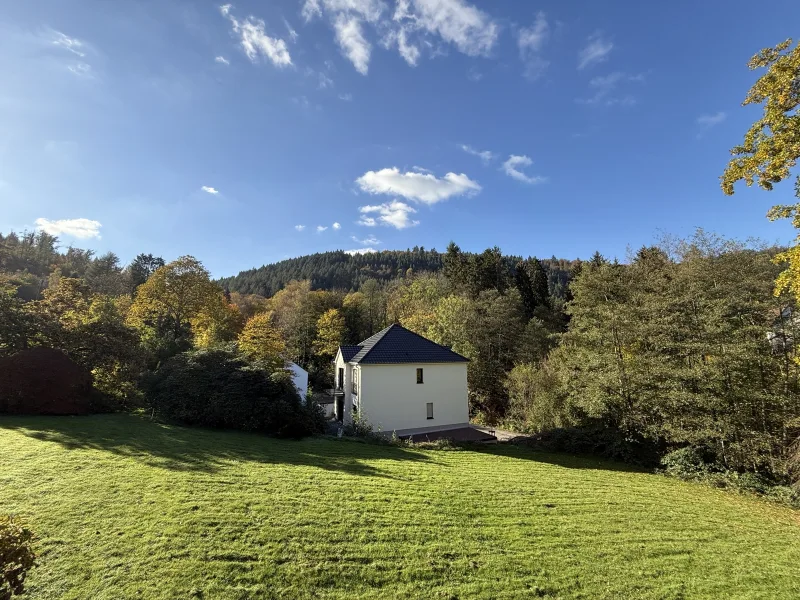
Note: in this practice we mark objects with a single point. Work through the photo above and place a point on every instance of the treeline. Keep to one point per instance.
(341, 271)
(685, 348)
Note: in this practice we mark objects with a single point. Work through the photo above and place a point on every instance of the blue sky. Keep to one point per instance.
(236, 133)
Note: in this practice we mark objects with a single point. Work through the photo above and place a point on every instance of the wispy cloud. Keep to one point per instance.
(222, 60)
(419, 187)
(255, 41)
(78, 228)
(370, 240)
(605, 89)
(292, 33)
(531, 41)
(361, 251)
(72, 44)
(712, 120)
(485, 155)
(346, 97)
(299, 227)
(414, 26)
(81, 69)
(337, 225)
(321, 228)
(513, 168)
(596, 51)
(350, 37)
(210, 190)
(392, 214)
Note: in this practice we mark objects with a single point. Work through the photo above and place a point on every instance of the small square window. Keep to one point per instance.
(419, 376)
(429, 407)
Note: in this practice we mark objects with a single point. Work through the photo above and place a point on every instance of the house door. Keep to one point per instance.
(340, 409)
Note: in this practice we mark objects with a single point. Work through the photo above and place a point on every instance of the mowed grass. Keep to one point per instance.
(127, 508)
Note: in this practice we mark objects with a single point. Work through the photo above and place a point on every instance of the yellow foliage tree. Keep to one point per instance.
(330, 333)
(262, 342)
(771, 146)
(181, 293)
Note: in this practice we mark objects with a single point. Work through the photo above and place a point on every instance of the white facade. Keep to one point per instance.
(389, 398)
(300, 378)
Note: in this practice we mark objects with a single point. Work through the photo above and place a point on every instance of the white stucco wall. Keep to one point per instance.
(347, 387)
(392, 400)
(300, 378)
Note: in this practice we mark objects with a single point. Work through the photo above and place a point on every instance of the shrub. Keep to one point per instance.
(686, 463)
(220, 388)
(598, 440)
(16, 556)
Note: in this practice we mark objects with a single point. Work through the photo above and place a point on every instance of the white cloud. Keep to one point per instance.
(393, 214)
(407, 29)
(711, 120)
(321, 228)
(81, 69)
(512, 167)
(531, 40)
(323, 81)
(351, 40)
(210, 190)
(596, 51)
(256, 42)
(222, 60)
(292, 33)
(300, 227)
(346, 97)
(79, 228)
(604, 87)
(74, 45)
(469, 29)
(337, 226)
(367, 241)
(420, 187)
(486, 156)
(361, 251)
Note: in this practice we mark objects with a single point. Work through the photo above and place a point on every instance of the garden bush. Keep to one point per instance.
(16, 556)
(221, 388)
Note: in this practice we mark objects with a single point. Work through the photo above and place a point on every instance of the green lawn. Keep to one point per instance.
(125, 508)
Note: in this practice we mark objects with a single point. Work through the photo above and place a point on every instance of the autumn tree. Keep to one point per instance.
(261, 341)
(180, 299)
(771, 146)
(330, 333)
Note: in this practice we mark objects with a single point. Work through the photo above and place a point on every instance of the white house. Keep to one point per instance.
(300, 379)
(399, 381)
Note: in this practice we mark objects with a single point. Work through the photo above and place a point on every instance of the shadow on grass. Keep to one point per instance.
(195, 449)
(560, 459)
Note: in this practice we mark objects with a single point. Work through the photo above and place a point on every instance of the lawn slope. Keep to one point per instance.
(126, 508)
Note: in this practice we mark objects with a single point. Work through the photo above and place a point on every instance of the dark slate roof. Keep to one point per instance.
(396, 344)
(348, 352)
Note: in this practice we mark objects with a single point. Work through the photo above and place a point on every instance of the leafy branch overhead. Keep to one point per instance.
(771, 146)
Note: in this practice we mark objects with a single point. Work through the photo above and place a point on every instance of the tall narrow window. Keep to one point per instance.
(340, 385)
(429, 406)
(419, 376)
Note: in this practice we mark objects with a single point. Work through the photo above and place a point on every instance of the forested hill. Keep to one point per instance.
(339, 270)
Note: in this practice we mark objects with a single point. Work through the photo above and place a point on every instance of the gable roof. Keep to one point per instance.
(348, 352)
(396, 344)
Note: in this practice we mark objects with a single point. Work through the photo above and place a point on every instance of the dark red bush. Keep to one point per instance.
(43, 381)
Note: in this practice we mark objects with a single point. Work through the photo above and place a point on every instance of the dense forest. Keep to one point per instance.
(343, 271)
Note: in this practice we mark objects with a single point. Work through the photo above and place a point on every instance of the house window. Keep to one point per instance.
(340, 383)
(429, 407)
(419, 376)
